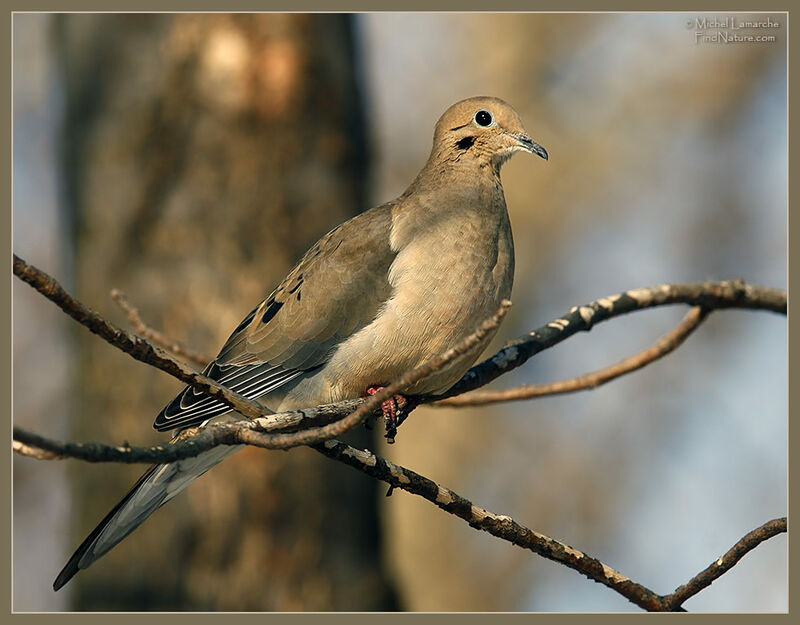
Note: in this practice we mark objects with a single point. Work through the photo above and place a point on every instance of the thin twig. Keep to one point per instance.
(707, 295)
(325, 432)
(501, 526)
(256, 432)
(711, 295)
(142, 350)
(194, 441)
(723, 564)
(153, 335)
(33, 451)
(666, 344)
(135, 346)
(190, 443)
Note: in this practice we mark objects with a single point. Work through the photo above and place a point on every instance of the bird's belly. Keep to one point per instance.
(418, 323)
(399, 340)
(430, 310)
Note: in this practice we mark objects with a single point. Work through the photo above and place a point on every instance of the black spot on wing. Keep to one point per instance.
(272, 309)
(466, 143)
(299, 282)
(245, 321)
(236, 338)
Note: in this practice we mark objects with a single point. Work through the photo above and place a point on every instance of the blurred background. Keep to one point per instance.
(189, 160)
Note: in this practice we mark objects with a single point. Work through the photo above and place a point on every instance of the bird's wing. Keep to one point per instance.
(335, 290)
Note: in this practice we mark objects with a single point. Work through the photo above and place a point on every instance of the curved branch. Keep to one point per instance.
(189, 443)
(133, 345)
(723, 564)
(325, 432)
(140, 349)
(666, 344)
(707, 295)
(255, 431)
(506, 528)
(396, 476)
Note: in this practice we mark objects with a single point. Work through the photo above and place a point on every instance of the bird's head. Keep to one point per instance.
(482, 129)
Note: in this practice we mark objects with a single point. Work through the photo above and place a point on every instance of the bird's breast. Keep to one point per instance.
(445, 282)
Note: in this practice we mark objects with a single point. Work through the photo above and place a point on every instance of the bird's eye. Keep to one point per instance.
(483, 118)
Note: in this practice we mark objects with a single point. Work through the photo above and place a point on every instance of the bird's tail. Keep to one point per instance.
(157, 486)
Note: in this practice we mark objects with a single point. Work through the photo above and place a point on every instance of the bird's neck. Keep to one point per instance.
(457, 177)
(437, 198)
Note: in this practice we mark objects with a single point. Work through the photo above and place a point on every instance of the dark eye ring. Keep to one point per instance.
(483, 118)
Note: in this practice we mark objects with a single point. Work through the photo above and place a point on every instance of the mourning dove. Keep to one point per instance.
(375, 297)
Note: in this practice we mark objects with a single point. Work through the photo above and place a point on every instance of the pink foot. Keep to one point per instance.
(392, 409)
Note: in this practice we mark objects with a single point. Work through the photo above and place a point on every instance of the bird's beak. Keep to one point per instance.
(528, 144)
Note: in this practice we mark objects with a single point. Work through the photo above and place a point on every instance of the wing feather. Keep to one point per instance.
(335, 290)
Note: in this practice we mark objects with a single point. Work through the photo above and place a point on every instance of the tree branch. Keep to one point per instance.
(501, 526)
(707, 295)
(396, 476)
(506, 528)
(723, 564)
(256, 432)
(34, 451)
(140, 349)
(325, 432)
(303, 427)
(153, 335)
(133, 345)
(666, 344)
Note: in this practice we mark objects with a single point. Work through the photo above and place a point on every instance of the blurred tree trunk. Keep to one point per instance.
(204, 154)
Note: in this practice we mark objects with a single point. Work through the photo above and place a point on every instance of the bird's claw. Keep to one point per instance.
(393, 411)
